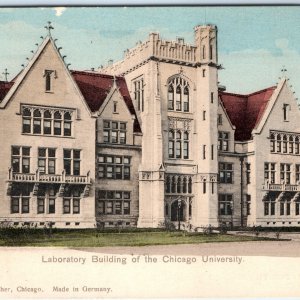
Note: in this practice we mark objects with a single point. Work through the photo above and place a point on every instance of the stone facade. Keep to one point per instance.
(147, 140)
(229, 138)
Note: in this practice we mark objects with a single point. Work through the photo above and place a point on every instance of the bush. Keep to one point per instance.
(168, 225)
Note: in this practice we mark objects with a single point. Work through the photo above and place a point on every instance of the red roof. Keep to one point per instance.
(95, 88)
(4, 88)
(246, 111)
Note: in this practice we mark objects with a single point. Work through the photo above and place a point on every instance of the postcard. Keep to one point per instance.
(149, 152)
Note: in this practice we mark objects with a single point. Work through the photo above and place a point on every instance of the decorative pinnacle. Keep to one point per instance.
(49, 27)
(283, 71)
(5, 73)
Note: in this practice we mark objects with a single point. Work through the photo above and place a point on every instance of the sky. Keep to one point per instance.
(254, 43)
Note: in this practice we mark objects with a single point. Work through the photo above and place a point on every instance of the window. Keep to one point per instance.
(272, 142)
(178, 144)
(48, 75)
(226, 172)
(26, 120)
(46, 160)
(297, 173)
(291, 144)
(57, 123)
(270, 172)
(211, 97)
(223, 141)
(270, 206)
(113, 203)
(67, 124)
(287, 143)
(37, 120)
(178, 184)
(284, 144)
(20, 159)
(248, 204)
(248, 173)
(178, 95)
(204, 115)
(138, 86)
(114, 167)
(285, 206)
(71, 200)
(297, 208)
(225, 204)
(204, 151)
(220, 119)
(20, 196)
(46, 121)
(72, 161)
(286, 108)
(285, 173)
(114, 132)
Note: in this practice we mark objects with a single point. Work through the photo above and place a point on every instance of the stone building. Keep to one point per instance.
(149, 139)
(224, 158)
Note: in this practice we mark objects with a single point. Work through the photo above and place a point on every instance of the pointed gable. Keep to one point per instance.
(246, 111)
(95, 87)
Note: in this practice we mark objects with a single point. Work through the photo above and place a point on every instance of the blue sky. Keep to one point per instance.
(254, 42)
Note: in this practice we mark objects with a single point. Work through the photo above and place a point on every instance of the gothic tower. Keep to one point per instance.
(205, 203)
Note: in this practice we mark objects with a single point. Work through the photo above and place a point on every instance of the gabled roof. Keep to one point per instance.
(95, 87)
(246, 111)
(4, 88)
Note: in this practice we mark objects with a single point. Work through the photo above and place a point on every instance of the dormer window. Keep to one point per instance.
(48, 74)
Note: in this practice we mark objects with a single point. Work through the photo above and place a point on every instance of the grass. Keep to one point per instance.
(93, 238)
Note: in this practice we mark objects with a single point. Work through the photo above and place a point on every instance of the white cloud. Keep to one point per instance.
(59, 10)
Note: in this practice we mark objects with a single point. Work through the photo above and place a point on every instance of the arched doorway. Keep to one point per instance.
(178, 213)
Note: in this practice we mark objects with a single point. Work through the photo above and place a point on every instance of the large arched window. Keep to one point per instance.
(178, 95)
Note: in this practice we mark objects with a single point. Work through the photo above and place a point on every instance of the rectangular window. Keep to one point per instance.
(72, 161)
(40, 205)
(248, 203)
(270, 172)
(25, 205)
(114, 132)
(223, 141)
(67, 206)
(76, 206)
(138, 86)
(51, 208)
(248, 173)
(15, 208)
(204, 152)
(220, 120)
(46, 160)
(225, 204)
(226, 172)
(211, 97)
(285, 173)
(114, 167)
(113, 202)
(297, 173)
(297, 208)
(20, 159)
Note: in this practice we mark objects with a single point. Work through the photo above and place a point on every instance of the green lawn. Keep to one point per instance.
(92, 238)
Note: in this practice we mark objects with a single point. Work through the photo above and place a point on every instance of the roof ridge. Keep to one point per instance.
(96, 74)
(251, 94)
